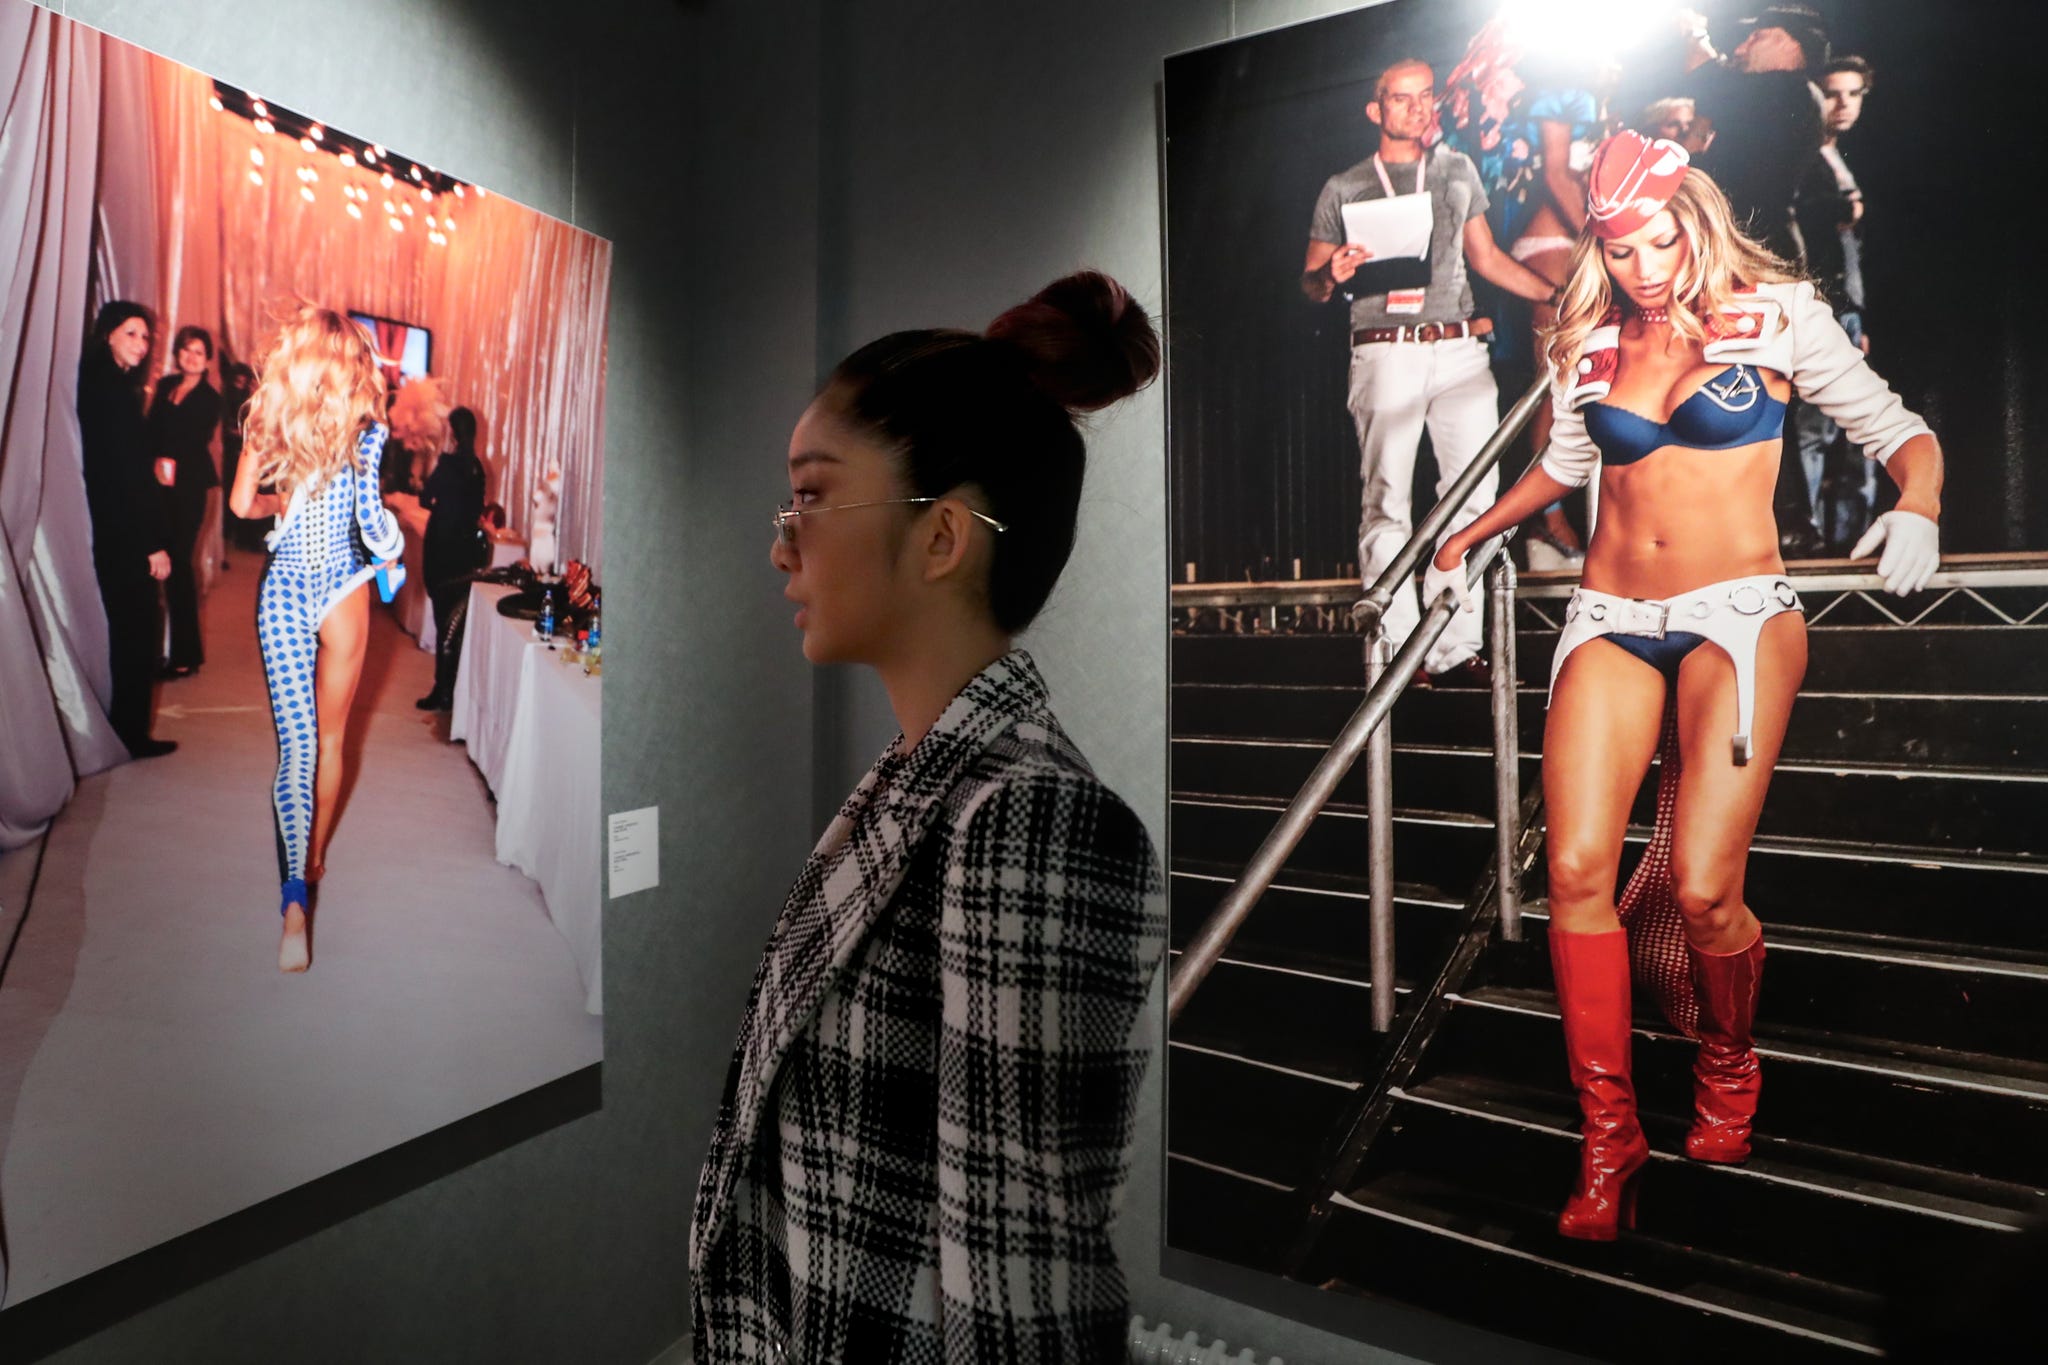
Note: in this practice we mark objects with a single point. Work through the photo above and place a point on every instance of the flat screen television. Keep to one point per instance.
(404, 349)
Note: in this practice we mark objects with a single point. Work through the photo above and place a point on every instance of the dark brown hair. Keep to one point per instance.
(996, 412)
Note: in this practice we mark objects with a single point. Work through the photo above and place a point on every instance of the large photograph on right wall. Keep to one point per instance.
(1372, 221)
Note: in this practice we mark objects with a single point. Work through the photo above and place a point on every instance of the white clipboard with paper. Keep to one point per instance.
(1396, 232)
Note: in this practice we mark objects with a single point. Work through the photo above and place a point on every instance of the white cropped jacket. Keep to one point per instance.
(1781, 327)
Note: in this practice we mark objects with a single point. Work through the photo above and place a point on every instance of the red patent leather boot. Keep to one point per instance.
(1593, 998)
(1725, 1075)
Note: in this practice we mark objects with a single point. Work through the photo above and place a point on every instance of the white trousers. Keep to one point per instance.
(1399, 388)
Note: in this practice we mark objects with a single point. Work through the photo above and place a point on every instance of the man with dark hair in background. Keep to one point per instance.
(1417, 358)
(1765, 113)
(1830, 213)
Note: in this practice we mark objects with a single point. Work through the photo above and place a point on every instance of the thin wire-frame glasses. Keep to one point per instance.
(786, 515)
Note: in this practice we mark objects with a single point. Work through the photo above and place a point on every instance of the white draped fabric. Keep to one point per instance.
(53, 634)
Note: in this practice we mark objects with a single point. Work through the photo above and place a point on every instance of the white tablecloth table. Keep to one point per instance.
(533, 725)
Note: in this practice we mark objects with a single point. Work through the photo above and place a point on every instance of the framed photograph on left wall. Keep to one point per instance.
(301, 472)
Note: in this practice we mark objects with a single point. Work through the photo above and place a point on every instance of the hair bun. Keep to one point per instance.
(1087, 341)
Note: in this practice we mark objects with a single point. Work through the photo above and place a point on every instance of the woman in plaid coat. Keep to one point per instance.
(925, 1127)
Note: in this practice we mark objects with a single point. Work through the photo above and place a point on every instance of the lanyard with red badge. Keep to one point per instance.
(1405, 301)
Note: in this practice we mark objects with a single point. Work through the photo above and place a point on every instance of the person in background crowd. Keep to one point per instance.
(237, 382)
(454, 499)
(1418, 358)
(181, 425)
(1676, 119)
(131, 524)
(1831, 221)
(1766, 117)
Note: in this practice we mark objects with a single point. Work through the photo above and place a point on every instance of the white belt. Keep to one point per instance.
(1730, 614)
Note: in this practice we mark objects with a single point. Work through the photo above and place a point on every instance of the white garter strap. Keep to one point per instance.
(1730, 614)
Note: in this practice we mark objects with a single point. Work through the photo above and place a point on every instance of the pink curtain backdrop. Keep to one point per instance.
(516, 300)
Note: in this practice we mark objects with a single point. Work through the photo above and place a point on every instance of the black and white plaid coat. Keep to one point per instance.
(926, 1123)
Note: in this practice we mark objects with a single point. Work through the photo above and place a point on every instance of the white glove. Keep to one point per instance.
(1912, 550)
(1435, 581)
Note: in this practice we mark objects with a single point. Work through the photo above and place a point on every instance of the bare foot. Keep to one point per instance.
(292, 952)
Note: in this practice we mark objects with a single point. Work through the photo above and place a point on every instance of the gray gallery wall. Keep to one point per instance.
(781, 179)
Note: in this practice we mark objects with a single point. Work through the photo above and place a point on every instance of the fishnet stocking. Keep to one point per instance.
(1649, 911)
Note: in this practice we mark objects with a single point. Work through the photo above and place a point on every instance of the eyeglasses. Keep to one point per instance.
(786, 515)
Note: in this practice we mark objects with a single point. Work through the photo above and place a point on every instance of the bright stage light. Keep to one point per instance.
(431, 222)
(385, 180)
(306, 144)
(255, 177)
(256, 156)
(398, 224)
(353, 211)
(1597, 30)
(347, 159)
(458, 191)
(405, 209)
(264, 125)
(306, 193)
(214, 100)
(258, 107)
(317, 133)
(426, 194)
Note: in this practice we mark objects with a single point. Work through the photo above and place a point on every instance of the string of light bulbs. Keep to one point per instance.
(402, 181)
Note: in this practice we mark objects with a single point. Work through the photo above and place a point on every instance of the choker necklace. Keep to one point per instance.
(1654, 314)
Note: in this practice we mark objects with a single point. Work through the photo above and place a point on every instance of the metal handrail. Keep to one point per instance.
(1387, 678)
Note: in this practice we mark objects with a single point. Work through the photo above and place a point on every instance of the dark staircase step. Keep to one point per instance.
(1912, 660)
(1994, 906)
(1443, 851)
(1500, 1264)
(1943, 1000)
(1265, 1121)
(1308, 1021)
(1978, 730)
(1948, 1110)
(1228, 1215)
(1312, 923)
(1977, 810)
(1524, 1147)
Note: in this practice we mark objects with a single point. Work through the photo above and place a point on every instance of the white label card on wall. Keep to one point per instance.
(635, 850)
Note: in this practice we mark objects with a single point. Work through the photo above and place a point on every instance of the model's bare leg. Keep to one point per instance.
(343, 636)
(1606, 716)
(1713, 822)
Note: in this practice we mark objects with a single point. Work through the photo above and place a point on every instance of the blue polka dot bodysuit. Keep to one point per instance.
(315, 563)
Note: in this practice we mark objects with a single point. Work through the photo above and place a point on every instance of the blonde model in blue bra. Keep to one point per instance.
(1670, 310)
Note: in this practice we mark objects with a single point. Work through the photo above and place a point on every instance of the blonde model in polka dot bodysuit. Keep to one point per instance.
(311, 431)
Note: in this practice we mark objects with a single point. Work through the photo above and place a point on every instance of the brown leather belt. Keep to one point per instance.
(1428, 331)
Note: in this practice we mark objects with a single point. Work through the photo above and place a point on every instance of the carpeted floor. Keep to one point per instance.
(158, 1072)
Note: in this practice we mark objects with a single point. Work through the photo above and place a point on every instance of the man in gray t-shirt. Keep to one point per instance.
(1456, 198)
(1417, 360)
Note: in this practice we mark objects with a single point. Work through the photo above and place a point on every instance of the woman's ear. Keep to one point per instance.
(948, 537)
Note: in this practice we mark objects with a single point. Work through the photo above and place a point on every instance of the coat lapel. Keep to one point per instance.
(846, 883)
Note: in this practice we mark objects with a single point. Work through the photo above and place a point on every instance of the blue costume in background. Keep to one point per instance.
(316, 561)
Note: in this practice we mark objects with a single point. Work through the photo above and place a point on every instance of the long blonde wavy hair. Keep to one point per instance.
(320, 388)
(1719, 259)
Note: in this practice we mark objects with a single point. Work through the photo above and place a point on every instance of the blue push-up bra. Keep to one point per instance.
(1731, 409)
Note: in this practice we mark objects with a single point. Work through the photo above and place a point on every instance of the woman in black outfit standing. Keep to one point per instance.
(454, 497)
(131, 532)
(181, 424)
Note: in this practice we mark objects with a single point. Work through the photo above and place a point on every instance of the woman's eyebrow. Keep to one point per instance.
(810, 457)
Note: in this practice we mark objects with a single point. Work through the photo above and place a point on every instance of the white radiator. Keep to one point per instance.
(1157, 1346)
